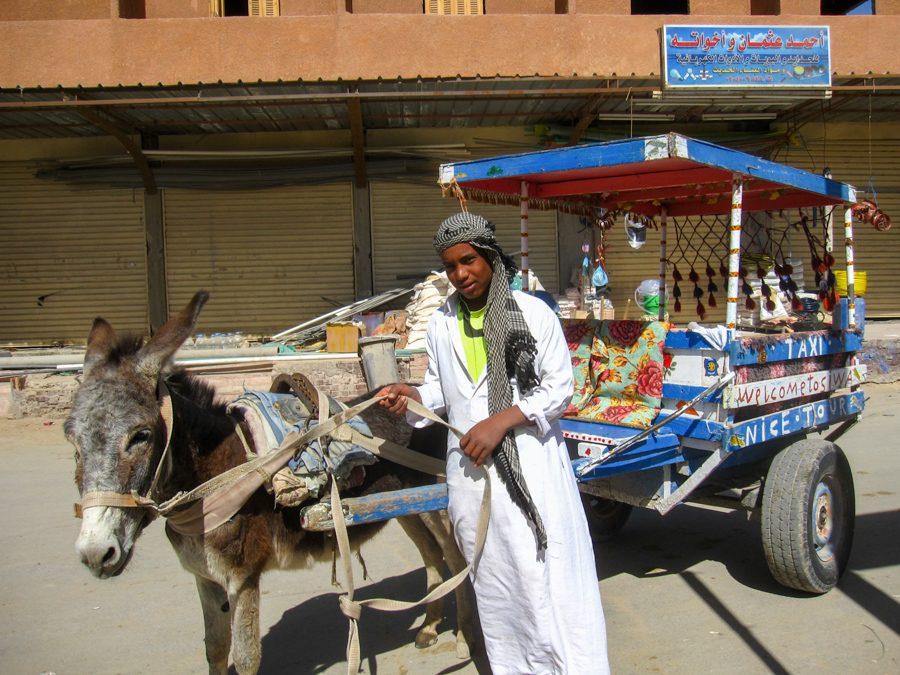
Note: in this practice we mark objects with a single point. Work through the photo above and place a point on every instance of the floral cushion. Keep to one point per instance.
(618, 368)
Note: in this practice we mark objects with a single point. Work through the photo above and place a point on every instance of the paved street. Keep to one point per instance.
(684, 594)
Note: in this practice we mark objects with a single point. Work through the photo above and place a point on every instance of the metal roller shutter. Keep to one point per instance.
(855, 162)
(67, 257)
(405, 219)
(269, 258)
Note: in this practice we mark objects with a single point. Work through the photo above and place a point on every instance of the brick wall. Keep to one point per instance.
(51, 395)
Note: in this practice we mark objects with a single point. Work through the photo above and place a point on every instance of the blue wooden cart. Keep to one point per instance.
(738, 408)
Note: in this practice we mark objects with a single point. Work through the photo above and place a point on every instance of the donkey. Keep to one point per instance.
(119, 434)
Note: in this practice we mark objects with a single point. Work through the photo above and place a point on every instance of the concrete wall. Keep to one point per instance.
(55, 10)
(350, 46)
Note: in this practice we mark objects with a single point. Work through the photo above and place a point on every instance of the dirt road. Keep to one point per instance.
(684, 594)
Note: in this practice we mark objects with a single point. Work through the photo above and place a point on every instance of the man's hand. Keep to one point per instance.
(484, 437)
(397, 395)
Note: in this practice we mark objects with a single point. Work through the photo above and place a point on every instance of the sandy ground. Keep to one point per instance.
(684, 594)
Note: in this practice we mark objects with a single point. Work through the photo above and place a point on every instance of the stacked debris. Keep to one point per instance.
(428, 296)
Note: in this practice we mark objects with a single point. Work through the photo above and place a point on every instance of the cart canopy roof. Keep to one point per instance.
(643, 175)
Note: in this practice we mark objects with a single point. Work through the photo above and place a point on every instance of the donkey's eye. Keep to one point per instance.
(142, 436)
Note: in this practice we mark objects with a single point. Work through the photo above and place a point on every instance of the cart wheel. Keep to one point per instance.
(605, 516)
(808, 515)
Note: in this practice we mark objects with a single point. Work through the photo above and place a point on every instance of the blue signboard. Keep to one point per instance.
(740, 57)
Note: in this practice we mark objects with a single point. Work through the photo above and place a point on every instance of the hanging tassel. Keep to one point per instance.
(701, 310)
(677, 306)
(792, 286)
(760, 272)
(783, 284)
(710, 272)
(711, 287)
(764, 289)
(796, 304)
(698, 292)
(723, 271)
(746, 289)
(676, 291)
(788, 269)
(676, 275)
(750, 304)
(742, 272)
(828, 260)
(693, 276)
(770, 305)
(711, 301)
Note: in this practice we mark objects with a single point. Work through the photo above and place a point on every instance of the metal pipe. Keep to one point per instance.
(734, 250)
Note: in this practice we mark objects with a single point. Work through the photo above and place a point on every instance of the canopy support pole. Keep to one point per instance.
(663, 230)
(734, 250)
(523, 200)
(851, 269)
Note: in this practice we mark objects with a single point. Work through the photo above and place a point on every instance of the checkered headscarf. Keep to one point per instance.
(511, 348)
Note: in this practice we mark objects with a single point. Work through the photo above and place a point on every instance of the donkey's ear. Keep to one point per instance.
(156, 354)
(100, 342)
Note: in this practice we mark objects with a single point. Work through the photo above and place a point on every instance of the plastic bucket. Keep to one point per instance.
(859, 283)
(379, 360)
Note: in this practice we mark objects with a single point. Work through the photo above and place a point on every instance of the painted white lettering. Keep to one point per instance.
(785, 423)
(773, 428)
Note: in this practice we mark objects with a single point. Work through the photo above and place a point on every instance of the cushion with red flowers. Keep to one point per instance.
(618, 368)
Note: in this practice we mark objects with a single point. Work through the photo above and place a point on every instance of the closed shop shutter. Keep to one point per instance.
(405, 219)
(876, 253)
(68, 256)
(271, 259)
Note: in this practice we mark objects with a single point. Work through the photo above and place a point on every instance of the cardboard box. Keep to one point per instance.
(341, 338)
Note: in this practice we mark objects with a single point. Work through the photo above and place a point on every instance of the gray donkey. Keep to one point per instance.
(119, 435)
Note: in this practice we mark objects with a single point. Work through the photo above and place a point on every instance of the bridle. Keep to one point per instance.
(133, 499)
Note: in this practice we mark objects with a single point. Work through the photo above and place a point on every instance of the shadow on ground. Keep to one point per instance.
(312, 637)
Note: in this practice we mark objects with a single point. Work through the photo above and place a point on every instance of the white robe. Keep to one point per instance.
(540, 611)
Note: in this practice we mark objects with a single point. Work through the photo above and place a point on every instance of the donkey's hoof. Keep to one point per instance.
(425, 639)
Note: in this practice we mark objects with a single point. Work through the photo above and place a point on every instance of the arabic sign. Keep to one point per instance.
(736, 57)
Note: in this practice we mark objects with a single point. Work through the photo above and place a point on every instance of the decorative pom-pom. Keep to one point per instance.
(676, 275)
(723, 271)
(788, 269)
(770, 305)
(676, 291)
(711, 301)
(710, 272)
(711, 286)
(698, 292)
(677, 306)
(701, 310)
(750, 304)
(693, 276)
(765, 290)
(746, 289)
(742, 272)
(760, 272)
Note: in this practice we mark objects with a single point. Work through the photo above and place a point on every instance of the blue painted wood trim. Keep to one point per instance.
(632, 151)
(750, 165)
(793, 420)
(613, 153)
(681, 426)
(625, 465)
(686, 392)
(794, 346)
(387, 505)
(685, 339)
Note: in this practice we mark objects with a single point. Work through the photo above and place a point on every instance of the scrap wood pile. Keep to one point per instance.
(428, 297)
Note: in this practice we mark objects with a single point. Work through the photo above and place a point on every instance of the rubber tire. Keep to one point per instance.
(605, 517)
(805, 480)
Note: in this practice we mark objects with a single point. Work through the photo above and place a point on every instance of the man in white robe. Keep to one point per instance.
(536, 582)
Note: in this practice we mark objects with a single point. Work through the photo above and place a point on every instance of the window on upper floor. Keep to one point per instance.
(244, 8)
(839, 7)
(454, 6)
(660, 7)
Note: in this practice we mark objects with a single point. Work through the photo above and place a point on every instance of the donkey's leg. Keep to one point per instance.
(438, 523)
(243, 595)
(434, 563)
(217, 624)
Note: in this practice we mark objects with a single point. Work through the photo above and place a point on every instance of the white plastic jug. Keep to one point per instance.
(646, 295)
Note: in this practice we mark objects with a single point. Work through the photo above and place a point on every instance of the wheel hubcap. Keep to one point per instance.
(823, 521)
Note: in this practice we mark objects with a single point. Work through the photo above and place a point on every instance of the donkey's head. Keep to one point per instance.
(119, 434)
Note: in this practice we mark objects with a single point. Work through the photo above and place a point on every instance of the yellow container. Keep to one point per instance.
(859, 283)
(341, 338)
